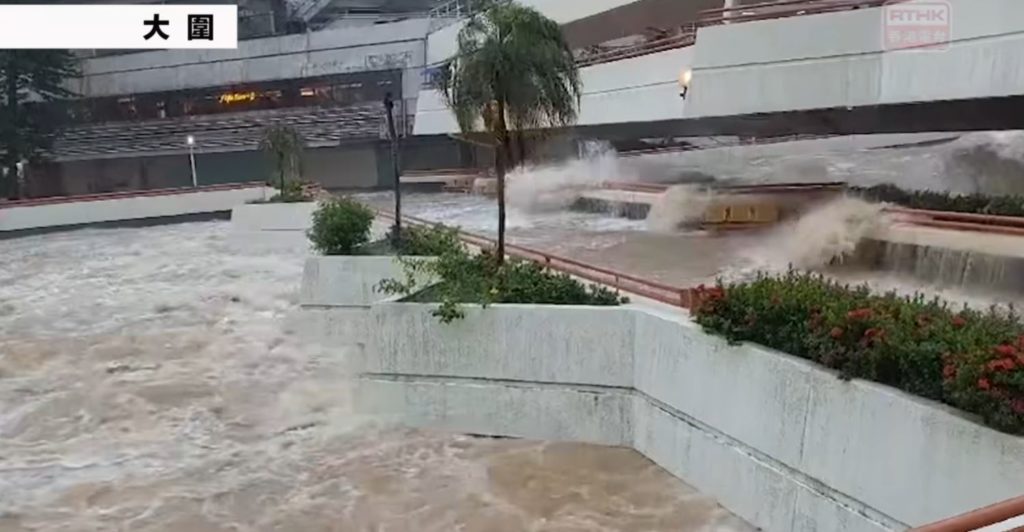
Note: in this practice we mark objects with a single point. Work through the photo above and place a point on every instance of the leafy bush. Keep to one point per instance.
(428, 241)
(477, 278)
(340, 226)
(943, 201)
(968, 359)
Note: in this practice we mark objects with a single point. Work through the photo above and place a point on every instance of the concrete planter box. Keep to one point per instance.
(779, 441)
(347, 281)
(135, 208)
(273, 216)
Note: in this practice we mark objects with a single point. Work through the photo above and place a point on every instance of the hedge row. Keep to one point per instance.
(943, 201)
(968, 359)
(469, 277)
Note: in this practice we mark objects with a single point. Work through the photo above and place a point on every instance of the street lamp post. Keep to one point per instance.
(191, 141)
(389, 106)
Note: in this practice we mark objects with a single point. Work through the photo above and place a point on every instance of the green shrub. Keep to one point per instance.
(971, 360)
(428, 240)
(476, 278)
(340, 226)
(293, 192)
(944, 201)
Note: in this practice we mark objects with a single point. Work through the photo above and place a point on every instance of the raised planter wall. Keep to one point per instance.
(273, 216)
(781, 442)
(346, 281)
(146, 205)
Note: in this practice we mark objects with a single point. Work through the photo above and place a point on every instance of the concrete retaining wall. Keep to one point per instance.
(330, 51)
(146, 206)
(781, 442)
(773, 65)
(273, 216)
(645, 88)
(346, 281)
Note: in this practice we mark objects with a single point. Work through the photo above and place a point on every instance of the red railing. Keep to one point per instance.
(671, 295)
(980, 518)
(122, 195)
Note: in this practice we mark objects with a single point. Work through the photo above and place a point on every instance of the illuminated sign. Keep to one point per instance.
(235, 97)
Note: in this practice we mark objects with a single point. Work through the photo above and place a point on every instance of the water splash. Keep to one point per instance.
(554, 187)
(680, 205)
(825, 235)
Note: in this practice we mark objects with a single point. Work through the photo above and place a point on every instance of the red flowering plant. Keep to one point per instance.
(968, 359)
(990, 382)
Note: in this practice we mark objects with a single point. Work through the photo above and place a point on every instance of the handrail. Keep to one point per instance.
(782, 9)
(687, 38)
(127, 194)
(980, 518)
(671, 295)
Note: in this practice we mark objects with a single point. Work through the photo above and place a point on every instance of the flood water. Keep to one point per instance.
(539, 215)
(153, 380)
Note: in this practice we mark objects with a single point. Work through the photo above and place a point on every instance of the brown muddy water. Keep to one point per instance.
(154, 380)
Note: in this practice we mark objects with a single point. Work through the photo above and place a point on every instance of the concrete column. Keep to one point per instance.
(728, 4)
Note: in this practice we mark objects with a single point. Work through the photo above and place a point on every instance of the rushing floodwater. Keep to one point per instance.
(150, 381)
(153, 379)
(538, 198)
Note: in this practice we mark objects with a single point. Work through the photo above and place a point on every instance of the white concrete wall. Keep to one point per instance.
(273, 216)
(780, 441)
(74, 213)
(441, 44)
(347, 281)
(838, 59)
(331, 51)
(644, 88)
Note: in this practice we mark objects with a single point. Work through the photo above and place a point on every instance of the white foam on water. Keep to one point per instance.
(678, 206)
(555, 187)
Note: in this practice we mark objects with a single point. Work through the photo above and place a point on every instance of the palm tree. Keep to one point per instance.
(513, 72)
(284, 144)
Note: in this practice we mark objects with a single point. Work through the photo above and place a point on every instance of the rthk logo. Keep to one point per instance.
(924, 25)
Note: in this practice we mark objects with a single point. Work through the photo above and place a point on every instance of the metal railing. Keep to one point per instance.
(663, 293)
(995, 514)
(782, 9)
(685, 36)
(447, 13)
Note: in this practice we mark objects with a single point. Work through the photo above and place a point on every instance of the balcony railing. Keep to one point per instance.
(782, 9)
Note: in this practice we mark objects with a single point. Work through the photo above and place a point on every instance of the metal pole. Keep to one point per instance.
(389, 106)
(192, 161)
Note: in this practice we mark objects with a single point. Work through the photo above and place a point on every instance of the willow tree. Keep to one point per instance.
(513, 72)
(284, 145)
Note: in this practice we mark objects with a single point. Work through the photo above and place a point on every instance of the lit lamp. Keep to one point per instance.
(191, 141)
(684, 82)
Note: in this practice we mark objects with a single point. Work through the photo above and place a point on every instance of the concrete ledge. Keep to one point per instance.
(344, 281)
(273, 216)
(145, 207)
(493, 408)
(783, 443)
(504, 342)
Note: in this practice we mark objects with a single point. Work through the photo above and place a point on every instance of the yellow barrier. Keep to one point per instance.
(741, 213)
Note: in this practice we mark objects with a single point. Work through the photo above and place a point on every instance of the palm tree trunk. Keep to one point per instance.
(500, 154)
(522, 147)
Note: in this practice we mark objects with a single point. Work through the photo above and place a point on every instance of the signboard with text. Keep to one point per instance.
(919, 25)
(156, 26)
